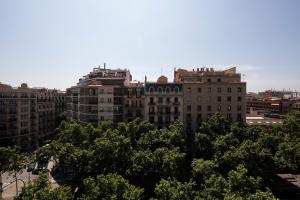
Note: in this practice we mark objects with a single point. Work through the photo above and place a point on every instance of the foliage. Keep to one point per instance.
(171, 189)
(169, 164)
(41, 189)
(110, 186)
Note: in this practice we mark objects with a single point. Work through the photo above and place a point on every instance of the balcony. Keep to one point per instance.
(176, 103)
(151, 103)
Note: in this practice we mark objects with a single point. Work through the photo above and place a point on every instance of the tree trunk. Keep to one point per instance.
(16, 184)
(1, 186)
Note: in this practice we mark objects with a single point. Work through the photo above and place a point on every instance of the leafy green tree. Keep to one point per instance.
(12, 161)
(213, 188)
(5, 154)
(41, 189)
(171, 189)
(110, 186)
(203, 169)
(216, 125)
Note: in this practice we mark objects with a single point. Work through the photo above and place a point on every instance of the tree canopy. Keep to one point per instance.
(136, 161)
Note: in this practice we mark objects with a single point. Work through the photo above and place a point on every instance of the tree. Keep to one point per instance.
(41, 189)
(171, 189)
(203, 169)
(13, 161)
(110, 186)
(5, 153)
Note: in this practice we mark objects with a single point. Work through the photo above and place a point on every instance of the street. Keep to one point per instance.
(9, 184)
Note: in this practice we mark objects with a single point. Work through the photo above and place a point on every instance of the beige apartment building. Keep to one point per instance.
(28, 116)
(206, 91)
(193, 96)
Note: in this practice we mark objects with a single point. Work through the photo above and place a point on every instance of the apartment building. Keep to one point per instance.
(206, 91)
(134, 100)
(28, 116)
(98, 96)
(193, 96)
(163, 102)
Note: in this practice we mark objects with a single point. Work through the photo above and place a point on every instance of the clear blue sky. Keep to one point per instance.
(53, 43)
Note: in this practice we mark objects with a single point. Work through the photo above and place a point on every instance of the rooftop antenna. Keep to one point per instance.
(161, 71)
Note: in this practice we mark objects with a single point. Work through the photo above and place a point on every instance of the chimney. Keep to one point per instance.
(104, 65)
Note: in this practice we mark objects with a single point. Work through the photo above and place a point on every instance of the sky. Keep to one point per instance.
(53, 43)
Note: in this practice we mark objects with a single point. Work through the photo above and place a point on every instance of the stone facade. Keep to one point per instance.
(29, 116)
(192, 97)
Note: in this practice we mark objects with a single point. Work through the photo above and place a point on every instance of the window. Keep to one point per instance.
(219, 98)
(239, 90)
(199, 107)
(229, 99)
(189, 116)
(151, 100)
(229, 90)
(109, 100)
(219, 80)
(167, 90)
(151, 119)
(168, 99)
(189, 108)
(151, 89)
(239, 108)
(167, 110)
(189, 90)
(239, 99)
(219, 108)
(167, 119)
(199, 117)
(209, 90)
(160, 110)
(151, 110)
(160, 99)
(175, 110)
(160, 90)
(176, 99)
(219, 90)
(229, 108)
(229, 117)
(209, 80)
(176, 89)
(239, 116)
(208, 108)
(199, 89)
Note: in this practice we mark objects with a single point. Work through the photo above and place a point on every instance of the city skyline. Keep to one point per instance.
(52, 44)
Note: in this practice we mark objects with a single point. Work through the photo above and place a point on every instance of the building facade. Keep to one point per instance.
(98, 96)
(192, 97)
(163, 102)
(134, 102)
(206, 91)
(29, 116)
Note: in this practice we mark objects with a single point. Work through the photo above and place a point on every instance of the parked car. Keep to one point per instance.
(30, 166)
(40, 168)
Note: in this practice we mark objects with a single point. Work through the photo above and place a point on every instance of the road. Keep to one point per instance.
(9, 184)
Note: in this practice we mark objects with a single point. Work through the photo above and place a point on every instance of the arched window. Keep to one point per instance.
(160, 89)
(176, 89)
(168, 89)
(151, 89)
